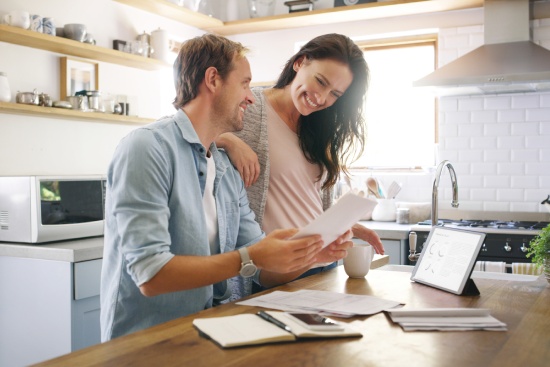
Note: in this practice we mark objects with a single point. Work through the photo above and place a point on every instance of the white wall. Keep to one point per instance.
(39, 145)
(36, 145)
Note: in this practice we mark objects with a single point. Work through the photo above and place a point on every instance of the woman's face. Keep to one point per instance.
(318, 84)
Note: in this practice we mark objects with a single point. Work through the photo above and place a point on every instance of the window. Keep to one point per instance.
(400, 119)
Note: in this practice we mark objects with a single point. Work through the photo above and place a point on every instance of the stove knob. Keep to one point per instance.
(523, 248)
(507, 247)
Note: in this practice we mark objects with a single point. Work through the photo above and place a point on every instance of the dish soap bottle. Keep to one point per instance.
(5, 93)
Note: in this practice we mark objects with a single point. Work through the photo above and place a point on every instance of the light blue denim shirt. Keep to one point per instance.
(153, 211)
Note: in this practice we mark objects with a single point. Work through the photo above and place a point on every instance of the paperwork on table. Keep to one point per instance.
(323, 302)
(446, 319)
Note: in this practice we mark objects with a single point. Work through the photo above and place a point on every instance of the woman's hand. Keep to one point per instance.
(242, 156)
(369, 236)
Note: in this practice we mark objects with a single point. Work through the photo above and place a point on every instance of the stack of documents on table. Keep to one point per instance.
(323, 302)
(446, 319)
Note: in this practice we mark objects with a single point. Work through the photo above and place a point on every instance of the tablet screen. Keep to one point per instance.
(448, 258)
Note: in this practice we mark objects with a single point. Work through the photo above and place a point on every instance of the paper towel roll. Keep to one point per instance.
(160, 41)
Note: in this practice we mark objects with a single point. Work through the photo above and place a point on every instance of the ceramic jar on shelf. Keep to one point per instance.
(5, 92)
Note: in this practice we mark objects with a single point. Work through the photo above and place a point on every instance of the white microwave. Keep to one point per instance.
(36, 209)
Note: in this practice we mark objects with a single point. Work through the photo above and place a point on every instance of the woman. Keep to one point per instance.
(299, 134)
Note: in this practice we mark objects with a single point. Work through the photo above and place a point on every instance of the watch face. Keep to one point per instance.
(248, 270)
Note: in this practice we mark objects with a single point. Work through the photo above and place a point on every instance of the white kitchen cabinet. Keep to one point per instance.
(47, 308)
(396, 249)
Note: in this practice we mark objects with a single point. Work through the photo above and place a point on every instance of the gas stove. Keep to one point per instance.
(486, 226)
(506, 241)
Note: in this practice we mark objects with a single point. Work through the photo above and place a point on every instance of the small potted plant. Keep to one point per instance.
(539, 250)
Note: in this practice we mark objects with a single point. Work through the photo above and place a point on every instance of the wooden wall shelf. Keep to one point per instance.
(24, 37)
(53, 112)
(343, 14)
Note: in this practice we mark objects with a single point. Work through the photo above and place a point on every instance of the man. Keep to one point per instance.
(176, 210)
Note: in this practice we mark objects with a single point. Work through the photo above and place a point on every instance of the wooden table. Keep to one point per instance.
(523, 306)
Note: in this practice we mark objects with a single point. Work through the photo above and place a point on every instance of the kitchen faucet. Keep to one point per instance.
(413, 256)
(454, 203)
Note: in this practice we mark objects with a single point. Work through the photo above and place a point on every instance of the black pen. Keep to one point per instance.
(264, 315)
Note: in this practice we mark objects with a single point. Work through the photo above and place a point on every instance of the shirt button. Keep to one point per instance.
(201, 150)
(201, 174)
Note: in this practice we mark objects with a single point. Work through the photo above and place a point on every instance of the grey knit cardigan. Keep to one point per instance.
(254, 134)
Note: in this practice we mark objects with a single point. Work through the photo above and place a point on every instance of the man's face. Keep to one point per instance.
(235, 96)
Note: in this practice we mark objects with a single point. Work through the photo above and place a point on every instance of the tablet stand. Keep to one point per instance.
(470, 288)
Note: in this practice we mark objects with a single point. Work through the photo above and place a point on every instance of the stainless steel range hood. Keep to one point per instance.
(508, 62)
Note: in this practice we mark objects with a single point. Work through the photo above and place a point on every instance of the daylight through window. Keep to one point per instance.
(400, 119)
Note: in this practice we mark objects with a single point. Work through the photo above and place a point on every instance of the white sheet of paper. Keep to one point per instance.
(322, 301)
(340, 217)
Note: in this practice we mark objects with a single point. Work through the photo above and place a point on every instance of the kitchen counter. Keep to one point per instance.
(389, 230)
(523, 306)
(73, 251)
(85, 249)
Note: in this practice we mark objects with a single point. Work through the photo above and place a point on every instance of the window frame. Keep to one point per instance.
(401, 42)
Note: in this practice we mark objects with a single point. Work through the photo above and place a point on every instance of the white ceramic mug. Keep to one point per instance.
(357, 262)
(18, 18)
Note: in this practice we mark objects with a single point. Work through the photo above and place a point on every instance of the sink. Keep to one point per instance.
(475, 274)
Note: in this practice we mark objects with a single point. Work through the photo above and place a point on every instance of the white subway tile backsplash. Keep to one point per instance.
(470, 104)
(525, 155)
(544, 129)
(469, 181)
(496, 155)
(458, 117)
(510, 194)
(496, 206)
(545, 100)
(540, 141)
(538, 114)
(500, 102)
(450, 104)
(524, 207)
(525, 128)
(470, 130)
(536, 169)
(510, 168)
(511, 115)
(482, 168)
(544, 182)
(498, 129)
(525, 182)
(537, 195)
(510, 142)
(489, 142)
(525, 101)
(457, 143)
(470, 155)
(544, 155)
(496, 181)
(483, 194)
(484, 116)
(448, 130)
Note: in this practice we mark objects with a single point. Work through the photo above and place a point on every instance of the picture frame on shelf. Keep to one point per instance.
(76, 75)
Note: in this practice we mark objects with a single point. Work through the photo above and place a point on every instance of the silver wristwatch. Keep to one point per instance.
(248, 268)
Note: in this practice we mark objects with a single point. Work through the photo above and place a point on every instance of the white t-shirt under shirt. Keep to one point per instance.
(209, 204)
(294, 195)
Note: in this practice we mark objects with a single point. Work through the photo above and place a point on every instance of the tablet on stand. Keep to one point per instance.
(447, 260)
